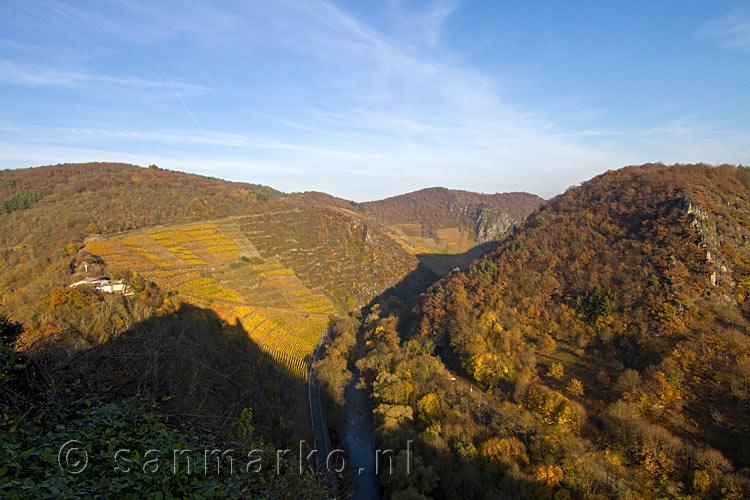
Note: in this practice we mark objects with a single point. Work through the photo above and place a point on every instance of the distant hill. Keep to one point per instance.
(70, 178)
(612, 331)
(444, 207)
(447, 216)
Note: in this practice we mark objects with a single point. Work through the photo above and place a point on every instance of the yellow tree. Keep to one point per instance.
(575, 387)
(550, 475)
(508, 451)
(547, 344)
(427, 408)
(556, 371)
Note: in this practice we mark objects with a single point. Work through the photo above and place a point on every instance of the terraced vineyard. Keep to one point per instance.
(330, 249)
(449, 240)
(215, 265)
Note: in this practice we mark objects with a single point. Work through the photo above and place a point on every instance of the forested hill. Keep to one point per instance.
(50, 211)
(70, 178)
(484, 216)
(628, 296)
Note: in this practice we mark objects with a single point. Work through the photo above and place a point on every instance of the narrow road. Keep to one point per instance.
(318, 420)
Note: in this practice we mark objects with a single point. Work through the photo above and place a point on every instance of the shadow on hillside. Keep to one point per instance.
(430, 269)
(200, 371)
(443, 263)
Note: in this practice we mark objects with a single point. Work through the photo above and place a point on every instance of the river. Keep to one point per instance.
(359, 441)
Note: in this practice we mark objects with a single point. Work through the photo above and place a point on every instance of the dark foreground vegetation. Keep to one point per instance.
(114, 386)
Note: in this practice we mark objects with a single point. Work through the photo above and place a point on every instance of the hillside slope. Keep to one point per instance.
(38, 241)
(51, 210)
(611, 331)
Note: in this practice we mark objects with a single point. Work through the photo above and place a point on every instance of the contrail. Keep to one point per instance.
(192, 117)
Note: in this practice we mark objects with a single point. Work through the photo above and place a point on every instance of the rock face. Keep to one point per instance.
(718, 220)
(491, 224)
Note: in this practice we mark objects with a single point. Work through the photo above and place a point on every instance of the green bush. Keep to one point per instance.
(598, 303)
(9, 333)
(32, 464)
(20, 201)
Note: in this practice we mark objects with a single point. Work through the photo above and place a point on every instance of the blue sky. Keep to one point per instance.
(369, 99)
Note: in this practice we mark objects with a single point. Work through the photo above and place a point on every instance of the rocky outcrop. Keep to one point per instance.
(491, 224)
(724, 239)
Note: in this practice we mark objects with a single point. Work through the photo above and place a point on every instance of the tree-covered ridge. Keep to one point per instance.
(615, 316)
(38, 244)
(69, 178)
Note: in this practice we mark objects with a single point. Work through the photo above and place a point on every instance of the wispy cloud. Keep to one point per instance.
(233, 169)
(27, 75)
(435, 18)
(731, 30)
(425, 23)
(240, 143)
(486, 158)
